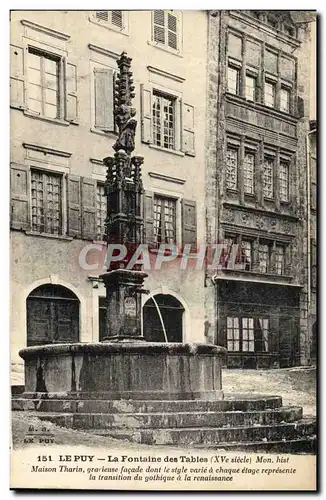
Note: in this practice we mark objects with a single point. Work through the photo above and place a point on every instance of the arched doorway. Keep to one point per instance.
(52, 315)
(172, 314)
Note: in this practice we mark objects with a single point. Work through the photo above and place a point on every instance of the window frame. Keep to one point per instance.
(62, 214)
(271, 158)
(232, 147)
(284, 162)
(109, 25)
(165, 197)
(165, 46)
(241, 328)
(174, 100)
(236, 69)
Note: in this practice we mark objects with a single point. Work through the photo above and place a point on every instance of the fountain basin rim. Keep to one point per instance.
(133, 348)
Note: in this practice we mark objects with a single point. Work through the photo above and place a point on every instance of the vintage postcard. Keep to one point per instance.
(163, 231)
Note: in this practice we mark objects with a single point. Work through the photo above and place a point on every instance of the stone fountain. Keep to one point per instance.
(126, 387)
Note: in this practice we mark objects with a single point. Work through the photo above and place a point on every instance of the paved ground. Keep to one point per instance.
(297, 386)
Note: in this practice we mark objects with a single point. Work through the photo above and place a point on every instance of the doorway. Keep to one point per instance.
(52, 315)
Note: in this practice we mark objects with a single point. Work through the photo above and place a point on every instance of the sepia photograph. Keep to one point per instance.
(163, 250)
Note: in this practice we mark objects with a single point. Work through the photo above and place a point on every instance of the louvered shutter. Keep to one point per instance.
(158, 26)
(172, 23)
(188, 129)
(71, 110)
(149, 218)
(189, 224)
(102, 15)
(146, 114)
(104, 99)
(88, 190)
(16, 76)
(74, 206)
(20, 196)
(116, 18)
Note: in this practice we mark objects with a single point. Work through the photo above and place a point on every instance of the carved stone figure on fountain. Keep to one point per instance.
(127, 129)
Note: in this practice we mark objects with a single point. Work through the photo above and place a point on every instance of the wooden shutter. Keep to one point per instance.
(39, 322)
(16, 76)
(88, 189)
(117, 18)
(188, 129)
(172, 26)
(159, 26)
(20, 197)
(149, 218)
(74, 206)
(67, 321)
(189, 224)
(104, 99)
(71, 109)
(146, 114)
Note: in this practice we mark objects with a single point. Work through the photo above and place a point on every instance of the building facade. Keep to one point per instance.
(256, 185)
(63, 66)
(223, 122)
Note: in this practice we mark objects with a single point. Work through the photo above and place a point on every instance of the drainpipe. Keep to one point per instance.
(308, 214)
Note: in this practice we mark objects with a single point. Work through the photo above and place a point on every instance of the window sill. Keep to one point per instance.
(165, 48)
(57, 121)
(48, 235)
(232, 191)
(103, 133)
(166, 150)
(262, 107)
(272, 200)
(250, 196)
(259, 274)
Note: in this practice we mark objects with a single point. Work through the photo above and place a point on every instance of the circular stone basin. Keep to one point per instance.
(124, 370)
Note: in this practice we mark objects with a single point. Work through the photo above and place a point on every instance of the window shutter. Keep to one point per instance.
(172, 31)
(116, 18)
(158, 26)
(104, 103)
(146, 115)
(71, 114)
(20, 197)
(149, 218)
(102, 15)
(16, 76)
(74, 206)
(88, 188)
(189, 224)
(188, 129)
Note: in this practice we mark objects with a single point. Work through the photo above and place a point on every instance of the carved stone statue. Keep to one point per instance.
(127, 129)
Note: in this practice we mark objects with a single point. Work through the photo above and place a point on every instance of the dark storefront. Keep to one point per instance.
(258, 323)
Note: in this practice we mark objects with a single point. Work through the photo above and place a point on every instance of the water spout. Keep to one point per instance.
(160, 316)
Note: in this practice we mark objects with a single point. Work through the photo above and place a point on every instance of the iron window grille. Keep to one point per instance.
(248, 173)
(284, 181)
(268, 178)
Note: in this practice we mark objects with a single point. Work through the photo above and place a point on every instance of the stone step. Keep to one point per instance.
(307, 444)
(229, 403)
(168, 420)
(197, 435)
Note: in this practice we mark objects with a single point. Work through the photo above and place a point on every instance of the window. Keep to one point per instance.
(113, 17)
(232, 168)
(285, 100)
(164, 220)
(233, 80)
(251, 84)
(270, 92)
(264, 257)
(100, 211)
(46, 191)
(43, 84)
(163, 115)
(248, 173)
(246, 254)
(233, 334)
(268, 182)
(165, 28)
(247, 334)
(284, 181)
(279, 260)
